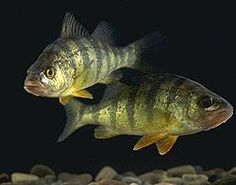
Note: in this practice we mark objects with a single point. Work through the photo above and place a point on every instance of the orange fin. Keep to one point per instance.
(148, 140)
(165, 144)
(83, 94)
(64, 100)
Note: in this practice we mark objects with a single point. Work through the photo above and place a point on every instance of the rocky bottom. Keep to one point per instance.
(180, 175)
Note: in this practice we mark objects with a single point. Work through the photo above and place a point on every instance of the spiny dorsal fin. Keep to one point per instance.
(165, 144)
(71, 27)
(102, 132)
(105, 32)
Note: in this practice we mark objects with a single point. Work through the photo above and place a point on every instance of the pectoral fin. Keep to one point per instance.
(102, 132)
(165, 144)
(64, 100)
(148, 140)
(83, 94)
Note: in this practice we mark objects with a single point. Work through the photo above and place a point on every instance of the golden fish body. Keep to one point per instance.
(161, 110)
(78, 60)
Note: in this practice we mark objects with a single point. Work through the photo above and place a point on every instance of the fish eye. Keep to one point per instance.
(49, 72)
(206, 101)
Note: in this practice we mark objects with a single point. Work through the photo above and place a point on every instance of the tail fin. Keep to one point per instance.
(74, 110)
(146, 48)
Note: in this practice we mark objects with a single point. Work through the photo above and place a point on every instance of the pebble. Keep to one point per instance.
(118, 177)
(82, 179)
(130, 180)
(23, 177)
(179, 171)
(232, 171)
(41, 170)
(195, 179)
(129, 174)
(174, 180)
(180, 175)
(106, 172)
(152, 177)
(215, 171)
(108, 182)
(4, 177)
(164, 183)
(227, 179)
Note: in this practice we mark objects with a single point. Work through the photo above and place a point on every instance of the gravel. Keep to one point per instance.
(179, 175)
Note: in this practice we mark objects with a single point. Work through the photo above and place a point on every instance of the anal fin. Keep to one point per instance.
(165, 144)
(102, 132)
(148, 140)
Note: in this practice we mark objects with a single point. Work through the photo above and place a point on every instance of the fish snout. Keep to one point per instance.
(219, 116)
(34, 87)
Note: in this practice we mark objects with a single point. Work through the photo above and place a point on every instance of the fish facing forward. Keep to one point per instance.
(160, 110)
(78, 60)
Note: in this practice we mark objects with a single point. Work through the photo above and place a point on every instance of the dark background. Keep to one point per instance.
(201, 46)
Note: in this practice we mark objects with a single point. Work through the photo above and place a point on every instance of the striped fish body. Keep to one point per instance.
(160, 110)
(78, 60)
(95, 59)
(143, 110)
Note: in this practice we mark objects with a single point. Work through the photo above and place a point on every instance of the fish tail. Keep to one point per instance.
(146, 47)
(74, 112)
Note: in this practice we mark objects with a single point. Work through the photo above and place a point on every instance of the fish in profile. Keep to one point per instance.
(159, 109)
(78, 60)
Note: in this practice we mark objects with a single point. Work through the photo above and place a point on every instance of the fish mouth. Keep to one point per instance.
(34, 87)
(218, 117)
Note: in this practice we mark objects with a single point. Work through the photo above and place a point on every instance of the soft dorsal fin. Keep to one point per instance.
(165, 144)
(113, 90)
(71, 27)
(105, 32)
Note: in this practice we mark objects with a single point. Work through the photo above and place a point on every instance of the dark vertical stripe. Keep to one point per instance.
(96, 115)
(114, 62)
(175, 83)
(131, 105)
(108, 57)
(64, 46)
(99, 58)
(150, 99)
(113, 111)
(84, 53)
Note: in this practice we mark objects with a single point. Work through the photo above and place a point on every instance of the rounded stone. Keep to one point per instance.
(179, 171)
(215, 171)
(4, 177)
(232, 171)
(108, 182)
(41, 170)
(164, 183)
(130, 180)
(174, 180)
(82, 179)
(23, 177)
(106, 173)
(226, 179)
(129, 174)
(195, 179)
(152, 177)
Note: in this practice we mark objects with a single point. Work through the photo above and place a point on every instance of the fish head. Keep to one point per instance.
(51, 75)
(206, 110)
